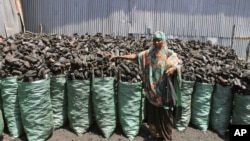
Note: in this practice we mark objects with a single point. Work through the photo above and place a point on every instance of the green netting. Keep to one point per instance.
(36, 110)
(104, 104)
(143, 106)
(200, 105)
(241, 110)
(183, 118)
(221, 107)
(1, 123)
(177, 81)
(129, 107)
(1, 115)
(58, 100)
(11, 109)
(79, 107)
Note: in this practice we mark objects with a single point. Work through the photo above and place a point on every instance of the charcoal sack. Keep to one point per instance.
(36, 111)
(182, 121)
(130, 107)
(221, 108)
(1, 115)
(104, 104)
(201, 105)
(79, 107)
(58, 100)
(11, 109)
(241, 110)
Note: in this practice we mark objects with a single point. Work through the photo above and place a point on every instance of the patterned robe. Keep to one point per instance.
(153, 63)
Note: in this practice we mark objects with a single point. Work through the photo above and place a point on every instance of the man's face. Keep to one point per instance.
(158, 43)
(1, 40)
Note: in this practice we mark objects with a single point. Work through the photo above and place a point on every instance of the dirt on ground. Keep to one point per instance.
(94, 134)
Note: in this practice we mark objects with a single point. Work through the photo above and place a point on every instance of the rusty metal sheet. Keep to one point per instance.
(9, 21)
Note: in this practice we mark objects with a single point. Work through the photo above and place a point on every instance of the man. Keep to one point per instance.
(155, 63)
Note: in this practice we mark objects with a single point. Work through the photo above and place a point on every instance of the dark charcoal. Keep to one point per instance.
(204, 62)
(129, 72)
(33, 56)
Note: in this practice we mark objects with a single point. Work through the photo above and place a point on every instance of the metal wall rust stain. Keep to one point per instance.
(19, 8)
(9, 19)
(242, 37)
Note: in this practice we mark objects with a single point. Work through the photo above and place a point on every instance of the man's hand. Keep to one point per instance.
(111, 56)
(170, 71)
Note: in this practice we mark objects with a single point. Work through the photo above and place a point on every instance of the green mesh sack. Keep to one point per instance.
(221, 108)
(241, 110)
(129, 107)
(36, 110)
(1, 123)
(182, 120)
(200, 105)
(11, 109)
(1, 115)
(58, 100)
(143, 106)
(79, 107)
(104, 104)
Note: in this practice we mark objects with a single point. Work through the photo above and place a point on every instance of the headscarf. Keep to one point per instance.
(159, 35)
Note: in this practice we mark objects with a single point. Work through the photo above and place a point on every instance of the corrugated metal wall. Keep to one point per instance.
(184, 19)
